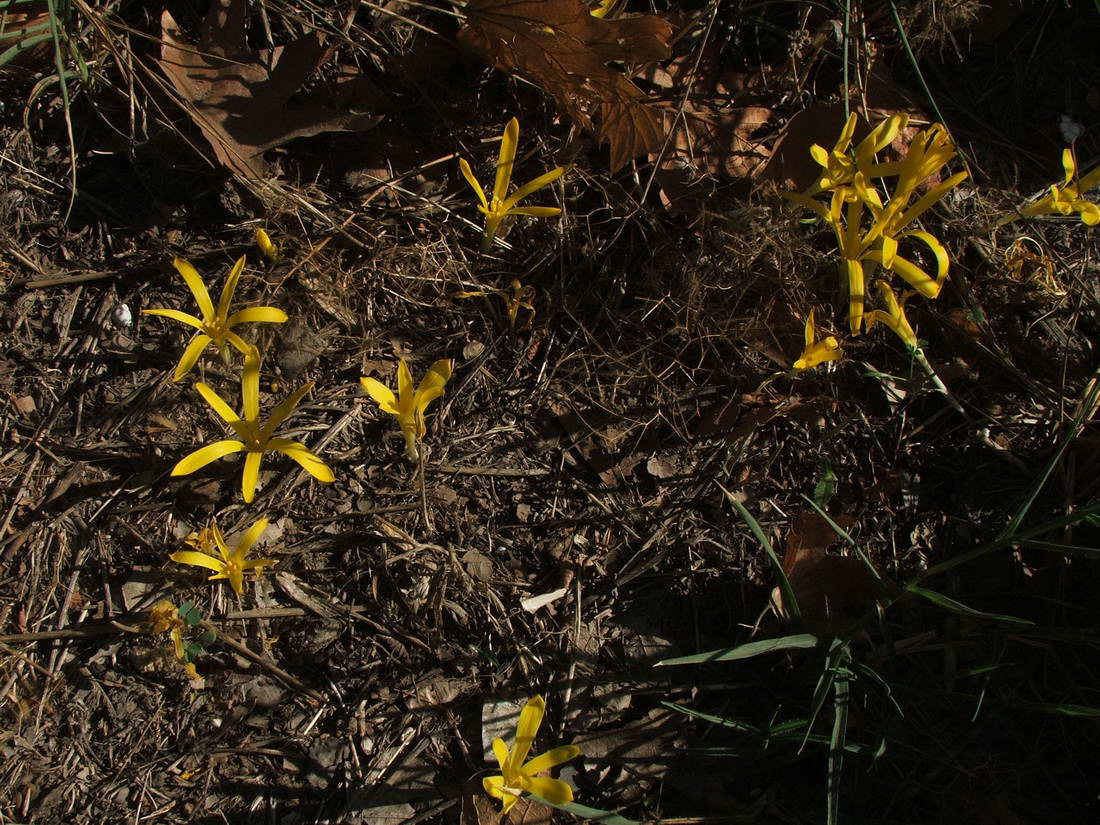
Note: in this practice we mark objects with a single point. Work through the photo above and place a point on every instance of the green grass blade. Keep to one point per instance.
(585, 812)
(13, 52)
(745, 651)
(1061, 709)
(1088, 403)
(947, 603)
(836, 748)
(913, 60)
(714, 720)
(790, 603)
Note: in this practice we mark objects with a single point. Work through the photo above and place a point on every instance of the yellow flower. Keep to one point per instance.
(215, 325)
(519, 778)
(894, 315)
(839, 166)
(817, 352)
(227, 564)
(408, 405)
(254, 438)
(502, 205)
(1069, 198)
(928, 152)
(267, 247)
(520, 298)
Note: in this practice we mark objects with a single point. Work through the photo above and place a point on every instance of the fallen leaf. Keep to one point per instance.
(714, 114)
(239, 97)
(560, 47)
(478, 808)
(831, 591)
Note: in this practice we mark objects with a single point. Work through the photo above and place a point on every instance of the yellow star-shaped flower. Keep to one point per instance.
(518, 778)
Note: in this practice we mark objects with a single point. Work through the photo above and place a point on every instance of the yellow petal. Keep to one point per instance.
(433, 383)
(284, 408)
(382, 394)
(198, 560)
(1069, 166)
(508, 142)
(176, 315)
(809, 332)
(853, 275)
(470, 179)
(250, 386)
(191, 355)
(301, 454)
(405, 395)
(219, 542)
(249, 538)
(535, 211)
(251, 474)
(257, 315)
(551, 759)
(529, 720)
(217, 404)
(500, 751)
(203, 456)
(230, 288)
(553, 791)
(494, 786)
(198, 288)
(534, 186)
(236, 580)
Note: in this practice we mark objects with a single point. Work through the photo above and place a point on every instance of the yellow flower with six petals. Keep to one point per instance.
(502, 204)
(519, 778)
(817, 352)
(216, 324)
(408, 405)
(254, 438)
(227, 564)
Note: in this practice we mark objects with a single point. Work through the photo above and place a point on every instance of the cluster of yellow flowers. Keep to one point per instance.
(256, 437)
(869, 230)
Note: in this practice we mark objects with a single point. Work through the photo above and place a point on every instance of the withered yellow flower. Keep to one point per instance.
(216, 325)
(817, 352)
(409, 404)
(501, 205)
(519, 778)
(254, 438)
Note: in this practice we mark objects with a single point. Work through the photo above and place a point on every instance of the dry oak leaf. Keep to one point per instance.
(239, 97)
(560, 47)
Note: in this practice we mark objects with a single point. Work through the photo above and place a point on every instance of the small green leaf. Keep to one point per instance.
(190, 614)
(825, 488)
(207, 638)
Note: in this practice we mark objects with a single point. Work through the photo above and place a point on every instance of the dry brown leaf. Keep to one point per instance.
(791, 166)
(479, 809)
(560, 47)
(239, 97)
(832, 591)
(714, 115)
